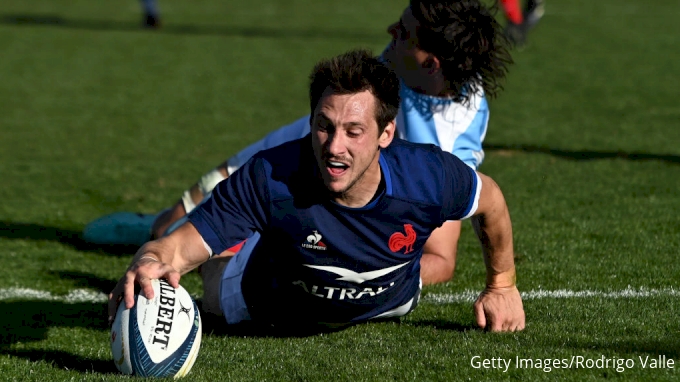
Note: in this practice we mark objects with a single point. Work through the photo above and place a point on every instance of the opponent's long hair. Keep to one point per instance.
(469, 42)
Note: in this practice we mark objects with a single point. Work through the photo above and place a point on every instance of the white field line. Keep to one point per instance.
(74, 296)
(88, 295)
(629, 292)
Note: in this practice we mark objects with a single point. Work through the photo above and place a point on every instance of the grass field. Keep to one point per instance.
(97, 116)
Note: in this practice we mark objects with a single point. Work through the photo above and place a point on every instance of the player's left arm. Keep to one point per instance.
(499, 306)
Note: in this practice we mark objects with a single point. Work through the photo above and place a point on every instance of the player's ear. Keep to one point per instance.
(432, 64)
(387, 135)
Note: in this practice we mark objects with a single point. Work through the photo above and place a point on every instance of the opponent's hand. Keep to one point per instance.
(500, 310)
(141, 272)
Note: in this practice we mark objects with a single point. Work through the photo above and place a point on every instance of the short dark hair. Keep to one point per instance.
(353, 72)
(468, 41)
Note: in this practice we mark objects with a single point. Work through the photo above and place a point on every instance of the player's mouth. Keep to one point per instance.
(336, 168)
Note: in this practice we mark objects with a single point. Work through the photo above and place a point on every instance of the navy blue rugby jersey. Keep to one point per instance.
(318, 261)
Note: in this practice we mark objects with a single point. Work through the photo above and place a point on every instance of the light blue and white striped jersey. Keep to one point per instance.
(455, 127)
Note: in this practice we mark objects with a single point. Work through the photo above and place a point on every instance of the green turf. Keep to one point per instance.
(98, 115)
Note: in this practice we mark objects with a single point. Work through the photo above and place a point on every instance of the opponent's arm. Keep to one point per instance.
(197, 193)
(190, 199)
(499, 307)
(168, 258)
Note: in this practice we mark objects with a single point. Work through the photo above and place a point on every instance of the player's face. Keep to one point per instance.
(403, 54)
(346, 145)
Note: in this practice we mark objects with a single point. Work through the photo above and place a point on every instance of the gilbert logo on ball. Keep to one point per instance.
(159, 337)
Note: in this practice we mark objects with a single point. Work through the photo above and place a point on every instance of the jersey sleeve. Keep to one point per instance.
(462, 189)
(295, 130)
(237, 208)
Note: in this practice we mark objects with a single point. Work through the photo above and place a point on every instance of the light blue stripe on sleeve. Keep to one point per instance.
(468, 145)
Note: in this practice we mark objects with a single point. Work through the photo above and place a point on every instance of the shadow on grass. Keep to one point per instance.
(214, 325)
(217, 326)
(65, 360)
(584, 155)
(36, 232)
(186, 29)
(25, 321)
(87, 280)
(443, 325)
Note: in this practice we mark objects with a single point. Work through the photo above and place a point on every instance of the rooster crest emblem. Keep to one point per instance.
(398, 240)
(314, 238)
(314, 241)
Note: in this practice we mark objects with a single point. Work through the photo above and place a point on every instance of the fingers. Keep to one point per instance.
(146, 287)
(173, 279)
(500, 310)
(497, 324)
(502, 322)
(129, 289)
(141, 274)
(480, 315)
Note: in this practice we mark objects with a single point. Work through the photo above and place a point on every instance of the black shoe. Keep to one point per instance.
(517, 33)
(151, 21)
(533, 13)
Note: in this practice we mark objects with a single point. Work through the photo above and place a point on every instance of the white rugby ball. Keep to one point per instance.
(159, 337)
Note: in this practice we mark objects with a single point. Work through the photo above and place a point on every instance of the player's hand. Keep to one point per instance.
(500, 310)
(141, 272)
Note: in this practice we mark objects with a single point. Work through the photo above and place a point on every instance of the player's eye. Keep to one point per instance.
(324, 125)
(354, 133)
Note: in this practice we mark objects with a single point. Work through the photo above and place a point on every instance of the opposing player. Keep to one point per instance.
(336, 221)
(520, 22)
(152, 18)
(449, 56)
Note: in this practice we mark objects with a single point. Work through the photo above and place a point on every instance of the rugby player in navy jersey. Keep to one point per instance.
(336, 221)
(449, 55)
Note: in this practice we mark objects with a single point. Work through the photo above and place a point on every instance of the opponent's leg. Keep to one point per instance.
(533, 12)
(120, 228)
(519, 25)
(513, 11)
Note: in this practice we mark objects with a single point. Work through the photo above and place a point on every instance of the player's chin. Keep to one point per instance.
(336, 189)
(336, 186)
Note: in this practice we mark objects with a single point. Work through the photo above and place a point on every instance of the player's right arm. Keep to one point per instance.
(197, 193)
(168, 257)
(237, 209)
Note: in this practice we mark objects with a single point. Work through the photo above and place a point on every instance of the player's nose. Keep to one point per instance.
(335, 144)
